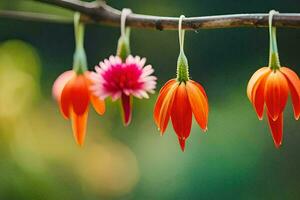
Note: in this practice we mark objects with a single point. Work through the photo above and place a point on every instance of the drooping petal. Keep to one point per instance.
(60, 83)
(181, 142)
(276, 127)
(162, 94)
(276, 93)
(294, 86)
(79, 123)
(98, 104)
(181, 114)
(166, 107)
(253, 80)
(65, 100)
(258, 97)
(126, 102)
(80, 94)
(199, 104)
(200, 88)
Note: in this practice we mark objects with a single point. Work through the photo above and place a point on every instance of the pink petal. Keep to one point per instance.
(60, 83)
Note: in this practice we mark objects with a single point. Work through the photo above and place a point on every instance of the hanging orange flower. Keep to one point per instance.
(72, 89)
(270, 87)
(179, 99)
(72, 92)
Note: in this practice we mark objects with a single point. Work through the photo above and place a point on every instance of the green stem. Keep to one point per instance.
(182, 62)
(79, 61)
(123, 49)
(274, 62)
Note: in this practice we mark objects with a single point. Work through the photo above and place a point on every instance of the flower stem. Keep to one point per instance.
(274, 62)
(123, 49)
(79, 60)
(182, 62)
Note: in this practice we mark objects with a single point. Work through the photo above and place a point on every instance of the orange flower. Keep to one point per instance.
(71, 90)
(271, 88)
(179, 100)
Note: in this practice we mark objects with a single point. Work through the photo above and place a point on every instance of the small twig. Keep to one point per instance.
(31, 16)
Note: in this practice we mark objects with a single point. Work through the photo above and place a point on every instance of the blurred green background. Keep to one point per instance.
(236, 159)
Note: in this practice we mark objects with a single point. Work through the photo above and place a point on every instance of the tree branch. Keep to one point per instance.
(99, 12)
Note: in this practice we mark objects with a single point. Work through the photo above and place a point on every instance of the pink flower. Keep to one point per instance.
(116, 79)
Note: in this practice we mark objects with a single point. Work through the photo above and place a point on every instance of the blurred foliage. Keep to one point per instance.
(235, 159)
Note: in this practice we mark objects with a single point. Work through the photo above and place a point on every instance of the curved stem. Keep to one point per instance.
(181, 33)
(125, 13)
(274, 62)
(182, 62)
(123, 49)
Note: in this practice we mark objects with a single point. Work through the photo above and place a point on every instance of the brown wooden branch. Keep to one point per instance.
(99, 12)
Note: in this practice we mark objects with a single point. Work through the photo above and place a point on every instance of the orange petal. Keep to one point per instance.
(79, 94)
(162, 94)
(200, 88)
(181, 114)
(276, 93)
(65, 100)
(98, 104)
(199, 104)
(253, 80)
(60, 83)
(79, 123)
(276, 128)
(294, 85)
(166, 107)
(258, 97)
